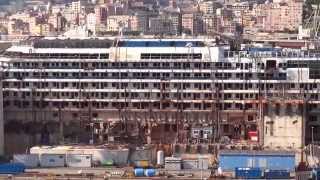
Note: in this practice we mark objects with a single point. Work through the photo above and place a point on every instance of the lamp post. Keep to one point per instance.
(92, 133)
(312, 140)
(312, 135)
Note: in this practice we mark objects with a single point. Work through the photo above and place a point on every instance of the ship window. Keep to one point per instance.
(282, 76)
(104, 56)
(185, 75)
(271, 64)
(314, 73)
(313, 118)
(165, 75)
(218, 65)
(123, 64)
(197, 65)
(227, 65)
(114, 64)
(145, 56)
(124, 74)
(176, 65)
(314, 86)
(155, 56)
(166, 64)
(171, 56)
(144, 64)
(186, 65)
(247, 65)
(156, 65)
(277, 109)
(219, 75)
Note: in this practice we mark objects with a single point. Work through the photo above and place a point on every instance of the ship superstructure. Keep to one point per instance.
(164, 90)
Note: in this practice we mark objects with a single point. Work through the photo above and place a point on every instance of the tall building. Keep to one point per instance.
(21, 15)
(57, 21)
(71, 16)
(173, 3)
(33, 26)
(4, 22)
(176, 21)
(114, 23)
(57, 8)
(139, 23)
(282, 16)
(92, 22)
(161, 25)
(101, 13)
(192, 23)
(211, 23)
(18, 27)
(76, 6)
(208, 7)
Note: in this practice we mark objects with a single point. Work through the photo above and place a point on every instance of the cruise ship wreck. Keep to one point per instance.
(158, 91)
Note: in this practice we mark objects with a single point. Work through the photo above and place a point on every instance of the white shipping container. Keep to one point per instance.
(172, 166)
(119, 156)
(190, 164)
(203, 163)
(52, 160)
(160, 158)
(79, 160)
(172, 163)
(29, 160)
(49, 149)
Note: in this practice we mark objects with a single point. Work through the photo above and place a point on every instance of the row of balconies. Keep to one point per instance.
(131, 85)
(131, 65)
(170, 106)
(171, 75)
(132, 96)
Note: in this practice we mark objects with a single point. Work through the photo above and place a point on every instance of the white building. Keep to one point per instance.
(92, 22)
(114, 23)
(76, 6)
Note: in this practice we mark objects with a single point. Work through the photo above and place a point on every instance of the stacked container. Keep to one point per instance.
(149, 172)
(160, 158)
(79, 160)
(248, 173)
(52, 160)
(29, 160)
(276, 174)
(12, 168)
(139, 172)
(173, 163)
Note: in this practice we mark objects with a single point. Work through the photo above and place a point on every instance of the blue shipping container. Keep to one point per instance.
(228, 161)
(248, 173)
(12, 168)
(138, 172)
(149, 172)
(276, 174)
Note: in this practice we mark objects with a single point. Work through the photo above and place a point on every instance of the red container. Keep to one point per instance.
(253, 135)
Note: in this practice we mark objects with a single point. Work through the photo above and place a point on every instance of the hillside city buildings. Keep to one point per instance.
(170, 17)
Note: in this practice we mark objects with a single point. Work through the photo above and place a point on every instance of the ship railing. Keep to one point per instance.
(271, 54)
(51, 57)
